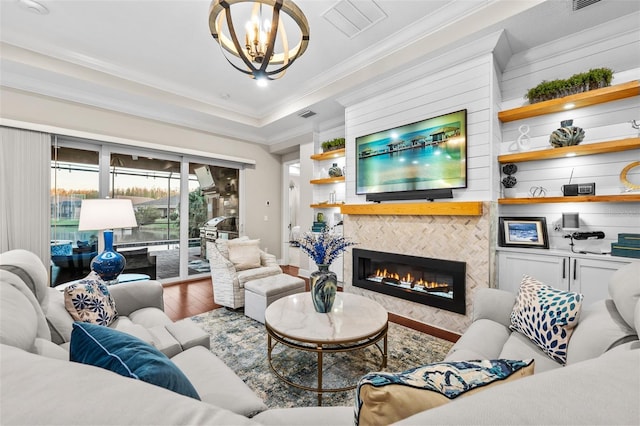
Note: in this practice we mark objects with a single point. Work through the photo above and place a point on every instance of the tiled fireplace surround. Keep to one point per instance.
(461, 238)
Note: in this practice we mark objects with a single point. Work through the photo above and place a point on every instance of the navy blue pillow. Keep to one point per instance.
(128, 356)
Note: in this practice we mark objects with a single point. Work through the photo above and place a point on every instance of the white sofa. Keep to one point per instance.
(38, 385)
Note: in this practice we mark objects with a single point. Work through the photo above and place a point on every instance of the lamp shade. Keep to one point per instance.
(106, 213)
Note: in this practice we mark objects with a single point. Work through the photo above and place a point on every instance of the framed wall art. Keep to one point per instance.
(527, 232)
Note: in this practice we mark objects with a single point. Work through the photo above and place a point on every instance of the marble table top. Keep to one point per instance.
(353, 318)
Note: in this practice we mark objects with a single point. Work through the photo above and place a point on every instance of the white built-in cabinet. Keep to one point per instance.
(585, 274)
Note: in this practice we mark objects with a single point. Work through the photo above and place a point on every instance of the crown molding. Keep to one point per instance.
(122, 141)
(440, 62)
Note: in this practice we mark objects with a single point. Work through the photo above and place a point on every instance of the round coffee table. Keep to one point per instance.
(355, 322)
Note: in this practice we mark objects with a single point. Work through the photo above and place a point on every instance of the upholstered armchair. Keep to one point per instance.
(235, 262)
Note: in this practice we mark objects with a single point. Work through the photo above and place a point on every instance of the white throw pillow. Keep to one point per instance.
(244, 254)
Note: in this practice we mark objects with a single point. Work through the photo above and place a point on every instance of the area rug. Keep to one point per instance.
(241, 343)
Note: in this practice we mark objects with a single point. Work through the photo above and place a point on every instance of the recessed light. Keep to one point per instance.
(570, 154)
(33, 6)
(569, 105)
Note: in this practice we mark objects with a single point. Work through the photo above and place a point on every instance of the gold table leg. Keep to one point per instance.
(319, 375)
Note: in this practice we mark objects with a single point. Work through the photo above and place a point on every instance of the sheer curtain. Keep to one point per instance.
(25, 170)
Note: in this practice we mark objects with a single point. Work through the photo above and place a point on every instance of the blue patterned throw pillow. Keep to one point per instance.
(384, 398)
(128, 356)
(89, 300)
(547, 316)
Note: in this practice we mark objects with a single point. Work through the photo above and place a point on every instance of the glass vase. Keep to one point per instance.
(324, 285)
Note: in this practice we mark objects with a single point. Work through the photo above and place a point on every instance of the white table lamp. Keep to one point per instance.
(107, 214)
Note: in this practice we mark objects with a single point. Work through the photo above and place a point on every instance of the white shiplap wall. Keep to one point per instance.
(463, 86)
(615, 45)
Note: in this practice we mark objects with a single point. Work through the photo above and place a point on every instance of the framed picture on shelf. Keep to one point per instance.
(527, 232)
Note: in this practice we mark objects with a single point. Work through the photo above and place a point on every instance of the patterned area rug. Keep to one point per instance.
(241, 343)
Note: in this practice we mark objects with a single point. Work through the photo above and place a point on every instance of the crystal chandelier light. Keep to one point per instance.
(265, 32)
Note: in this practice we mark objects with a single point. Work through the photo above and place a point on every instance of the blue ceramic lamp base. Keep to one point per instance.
(109, 264)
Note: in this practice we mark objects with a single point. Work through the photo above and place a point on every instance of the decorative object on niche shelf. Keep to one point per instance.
(566, 135)
(636, 126)
(538, 191)
(323, 248)
(625, 181)
(524, 140)
(335, 171)
(628, 245)
(509, 181)
(320, 217)
(332, 145)
(594, 79)
(528, 232)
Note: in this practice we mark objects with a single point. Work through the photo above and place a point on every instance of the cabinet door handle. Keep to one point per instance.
(564, 268)
(575, 272)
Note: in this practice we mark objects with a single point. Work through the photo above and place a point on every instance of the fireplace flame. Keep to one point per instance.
(384, 276)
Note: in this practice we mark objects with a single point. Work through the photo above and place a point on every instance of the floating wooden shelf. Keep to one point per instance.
(336, 153)
(464, 208)
(325, 181)
(575, 151)
(580, 100)
(631, 198)
(325, 206)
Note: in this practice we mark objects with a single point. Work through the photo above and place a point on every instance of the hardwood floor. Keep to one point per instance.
(189, 298)
(195, 297)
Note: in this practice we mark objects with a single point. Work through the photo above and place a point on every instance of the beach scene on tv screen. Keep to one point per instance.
(430, 154)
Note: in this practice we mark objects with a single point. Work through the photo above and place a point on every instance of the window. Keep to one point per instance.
(165, 245)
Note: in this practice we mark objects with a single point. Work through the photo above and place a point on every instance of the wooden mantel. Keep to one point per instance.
(463, 208)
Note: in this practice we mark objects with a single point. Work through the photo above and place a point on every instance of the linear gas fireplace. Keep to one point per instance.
(434, 282)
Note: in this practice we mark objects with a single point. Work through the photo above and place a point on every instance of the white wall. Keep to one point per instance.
(463, 86)
(262, 181)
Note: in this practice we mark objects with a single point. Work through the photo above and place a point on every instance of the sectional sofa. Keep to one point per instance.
(39, 385)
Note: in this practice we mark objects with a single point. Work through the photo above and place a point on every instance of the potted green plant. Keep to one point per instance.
(593, 79)
(333, 144)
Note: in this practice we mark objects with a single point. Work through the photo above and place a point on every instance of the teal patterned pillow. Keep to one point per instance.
(547, 316)
(89, 300)
(384, 398)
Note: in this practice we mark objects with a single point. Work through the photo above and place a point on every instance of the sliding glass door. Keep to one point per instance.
(74, 177)
(178, 203)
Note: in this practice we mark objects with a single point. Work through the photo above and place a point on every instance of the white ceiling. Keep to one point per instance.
(157, 59)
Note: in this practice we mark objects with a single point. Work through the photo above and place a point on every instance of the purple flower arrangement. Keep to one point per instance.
(324, 247)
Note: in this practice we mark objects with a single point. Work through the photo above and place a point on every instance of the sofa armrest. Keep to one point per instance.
(493, 304)
(129, 297)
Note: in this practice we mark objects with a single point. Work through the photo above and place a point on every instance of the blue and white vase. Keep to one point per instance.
(324, 285)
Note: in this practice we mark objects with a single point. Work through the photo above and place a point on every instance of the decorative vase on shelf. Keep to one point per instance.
(509, 192)
(324, 285)
(566, 135)
(335, 171)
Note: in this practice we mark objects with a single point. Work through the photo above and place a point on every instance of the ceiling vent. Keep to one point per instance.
(306, 113)
(581, 4)
(353, 17)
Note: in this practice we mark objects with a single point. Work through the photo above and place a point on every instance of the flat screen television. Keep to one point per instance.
(425, 159)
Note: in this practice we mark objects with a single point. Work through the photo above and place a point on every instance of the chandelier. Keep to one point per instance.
(263, 30)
